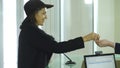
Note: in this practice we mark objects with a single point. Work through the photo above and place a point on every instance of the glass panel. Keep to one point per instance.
(77, 21)
(105, 22)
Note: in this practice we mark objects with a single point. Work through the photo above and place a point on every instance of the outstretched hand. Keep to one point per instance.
(104, 43)
(91, 36)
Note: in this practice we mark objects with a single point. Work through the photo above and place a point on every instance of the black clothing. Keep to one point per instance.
(117, 48)
(36, 47)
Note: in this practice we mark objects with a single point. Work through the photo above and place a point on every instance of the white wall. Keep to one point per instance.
(1, 36)
(106, 22)
(117, 20)
(20, 14)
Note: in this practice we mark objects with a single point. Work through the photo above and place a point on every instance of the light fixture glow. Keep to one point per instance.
(88, 1)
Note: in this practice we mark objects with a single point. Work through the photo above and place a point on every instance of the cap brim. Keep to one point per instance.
(48, 5)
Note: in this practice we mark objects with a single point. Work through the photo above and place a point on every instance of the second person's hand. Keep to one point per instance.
(104, 43)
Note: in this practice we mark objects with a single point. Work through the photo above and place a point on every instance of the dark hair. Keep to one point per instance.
(32, 16)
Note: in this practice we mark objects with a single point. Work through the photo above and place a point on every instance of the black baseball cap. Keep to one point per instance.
(34, 5)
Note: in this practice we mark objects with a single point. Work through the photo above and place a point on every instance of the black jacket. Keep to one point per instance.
(36, 47)
(117, 48)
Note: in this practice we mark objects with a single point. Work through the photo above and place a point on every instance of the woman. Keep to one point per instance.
(35, 46)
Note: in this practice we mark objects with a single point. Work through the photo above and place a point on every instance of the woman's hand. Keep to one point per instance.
(91, 36)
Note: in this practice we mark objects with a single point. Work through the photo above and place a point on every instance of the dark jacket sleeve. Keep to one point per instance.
(117, 48)
(45, 42)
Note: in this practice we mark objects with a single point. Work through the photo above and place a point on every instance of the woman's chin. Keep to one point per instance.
(40, 24)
